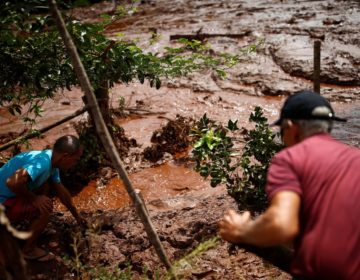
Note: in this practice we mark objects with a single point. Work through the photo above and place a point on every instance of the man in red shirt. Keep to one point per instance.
(313, 187)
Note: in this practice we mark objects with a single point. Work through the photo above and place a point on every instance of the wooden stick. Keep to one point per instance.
(202, 36)
(317, 60)
(105, 136)
(44, 129)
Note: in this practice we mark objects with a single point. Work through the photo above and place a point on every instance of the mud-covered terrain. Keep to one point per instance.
(117, 238)
(183, 207)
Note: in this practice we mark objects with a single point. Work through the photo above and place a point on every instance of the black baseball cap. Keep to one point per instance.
(307, 105)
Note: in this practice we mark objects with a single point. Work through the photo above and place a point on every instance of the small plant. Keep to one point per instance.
(213, 150)
(183, 267)
(217, 156)
(98, 272)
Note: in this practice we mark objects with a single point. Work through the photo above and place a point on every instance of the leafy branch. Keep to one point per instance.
(216, 157)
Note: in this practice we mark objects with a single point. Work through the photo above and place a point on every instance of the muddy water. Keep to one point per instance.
(170, 180)
(156, 185)
(141, 128)
(282, 65)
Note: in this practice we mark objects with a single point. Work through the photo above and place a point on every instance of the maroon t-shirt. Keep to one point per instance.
(326, 175)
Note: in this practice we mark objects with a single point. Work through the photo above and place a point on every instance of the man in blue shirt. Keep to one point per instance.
(25, 181)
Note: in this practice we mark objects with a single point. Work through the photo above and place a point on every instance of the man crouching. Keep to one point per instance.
(25, 182)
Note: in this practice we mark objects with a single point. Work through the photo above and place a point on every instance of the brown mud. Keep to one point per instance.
(183, 206)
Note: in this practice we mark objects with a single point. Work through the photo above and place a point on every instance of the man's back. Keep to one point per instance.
(37, 164)
(326, 174)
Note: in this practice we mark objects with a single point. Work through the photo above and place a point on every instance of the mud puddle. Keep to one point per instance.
(156, 184)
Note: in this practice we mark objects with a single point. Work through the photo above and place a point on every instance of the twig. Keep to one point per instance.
(202, 36)
(317, 61)
(44, 129)
(13, 261)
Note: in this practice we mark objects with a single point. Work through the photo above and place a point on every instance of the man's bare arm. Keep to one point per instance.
(279, 224)
(18, 183)
(65, 198)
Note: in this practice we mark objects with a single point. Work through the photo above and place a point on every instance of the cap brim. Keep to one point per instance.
(339, 119)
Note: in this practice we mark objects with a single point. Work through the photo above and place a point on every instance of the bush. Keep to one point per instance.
(243, 173)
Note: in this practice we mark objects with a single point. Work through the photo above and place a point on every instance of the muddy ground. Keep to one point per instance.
(183, 207)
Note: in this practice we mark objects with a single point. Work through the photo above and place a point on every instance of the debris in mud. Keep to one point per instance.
(116, 239)
(172, 138)
(94, 156)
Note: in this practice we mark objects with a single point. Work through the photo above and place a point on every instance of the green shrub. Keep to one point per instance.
(217, 156)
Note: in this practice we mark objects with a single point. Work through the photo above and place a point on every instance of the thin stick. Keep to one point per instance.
(317, 59)
(202, 36)
(12, 263)
(44, 129)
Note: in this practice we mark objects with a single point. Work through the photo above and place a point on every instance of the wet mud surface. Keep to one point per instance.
(183, 206)
(117, 238)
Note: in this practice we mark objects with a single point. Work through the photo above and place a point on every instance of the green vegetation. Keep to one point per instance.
(218, 157)
(36, 65)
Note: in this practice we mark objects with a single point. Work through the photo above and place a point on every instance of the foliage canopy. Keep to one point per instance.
(35, 63)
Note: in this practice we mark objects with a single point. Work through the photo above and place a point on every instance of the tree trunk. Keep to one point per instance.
(102, 97)
(105, 136)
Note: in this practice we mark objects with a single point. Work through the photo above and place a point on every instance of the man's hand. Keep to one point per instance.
(279, 224)
(43, 203)
(233, 226)
(65, 198)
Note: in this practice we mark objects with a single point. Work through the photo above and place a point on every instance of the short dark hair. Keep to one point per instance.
(67, 144)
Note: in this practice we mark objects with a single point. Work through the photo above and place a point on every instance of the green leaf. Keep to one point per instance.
(199, 143)
(214, 182)
(232, 126)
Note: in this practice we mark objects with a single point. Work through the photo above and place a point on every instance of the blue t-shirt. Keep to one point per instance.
(37, 165)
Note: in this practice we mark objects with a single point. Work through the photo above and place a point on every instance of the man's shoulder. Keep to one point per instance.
(316, 147)
(44, 154)
(39, 158)
(304, 147)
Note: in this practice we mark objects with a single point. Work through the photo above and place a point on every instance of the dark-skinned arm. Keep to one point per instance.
(278, 225)
(65, 198)
(18, 184)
